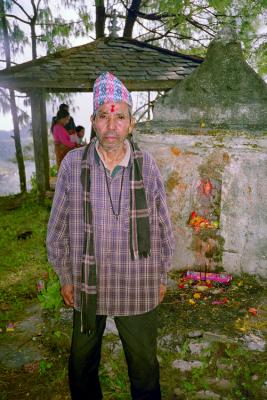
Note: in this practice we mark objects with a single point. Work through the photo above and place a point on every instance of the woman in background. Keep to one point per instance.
(62, 141)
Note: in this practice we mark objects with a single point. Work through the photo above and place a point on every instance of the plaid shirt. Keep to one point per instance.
(124, 286)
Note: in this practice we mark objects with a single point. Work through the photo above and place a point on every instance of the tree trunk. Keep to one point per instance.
(131, 18)
(39, 130)
(14, 111)
(19, 154)
(100, 19)
(34, 44)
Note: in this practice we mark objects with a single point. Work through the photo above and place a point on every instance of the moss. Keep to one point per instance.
(253, 145)
(169, 128)
(172, 181)
(214, 165)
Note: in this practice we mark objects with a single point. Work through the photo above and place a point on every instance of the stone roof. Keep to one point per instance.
(139, 65)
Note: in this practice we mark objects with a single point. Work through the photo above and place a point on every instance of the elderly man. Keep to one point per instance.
(110, 242)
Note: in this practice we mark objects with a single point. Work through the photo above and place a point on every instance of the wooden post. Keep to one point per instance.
(149, 106)
(40, 141)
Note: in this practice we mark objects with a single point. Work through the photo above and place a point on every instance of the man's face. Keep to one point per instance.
(112, 124)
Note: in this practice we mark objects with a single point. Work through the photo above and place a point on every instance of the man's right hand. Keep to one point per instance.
(67, 294)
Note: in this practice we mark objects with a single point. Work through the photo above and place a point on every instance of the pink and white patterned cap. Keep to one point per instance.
(109, 89)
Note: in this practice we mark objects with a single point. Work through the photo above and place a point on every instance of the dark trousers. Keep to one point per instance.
(138, 334)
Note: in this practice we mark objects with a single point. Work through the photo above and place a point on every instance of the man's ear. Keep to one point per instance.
(132, 124)
(92, 121)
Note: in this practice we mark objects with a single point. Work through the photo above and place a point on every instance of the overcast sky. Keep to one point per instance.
(82, 104)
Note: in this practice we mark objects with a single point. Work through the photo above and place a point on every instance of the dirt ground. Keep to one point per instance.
(34, 348)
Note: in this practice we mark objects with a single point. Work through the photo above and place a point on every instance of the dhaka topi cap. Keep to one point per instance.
(109, 89)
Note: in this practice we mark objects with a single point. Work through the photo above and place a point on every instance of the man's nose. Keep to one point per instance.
(111, 122)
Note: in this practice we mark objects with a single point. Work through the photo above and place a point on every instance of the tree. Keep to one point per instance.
(100, 18)
(132, 13)
(12, 101)
(189, 25)
(45, 29)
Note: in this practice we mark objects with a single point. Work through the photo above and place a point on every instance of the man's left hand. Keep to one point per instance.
(162, 291)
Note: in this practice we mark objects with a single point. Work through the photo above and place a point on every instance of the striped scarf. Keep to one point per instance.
(139, 232)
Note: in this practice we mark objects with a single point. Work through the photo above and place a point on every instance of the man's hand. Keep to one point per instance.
(67, 294)
(162, 291)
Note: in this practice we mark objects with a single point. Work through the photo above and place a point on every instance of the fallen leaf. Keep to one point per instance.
(31, 367)
(253, 311)
(202, 288)
(223, 301)
(40, 285)
(191, 301)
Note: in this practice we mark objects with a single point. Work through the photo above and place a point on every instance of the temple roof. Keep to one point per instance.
(139, 65)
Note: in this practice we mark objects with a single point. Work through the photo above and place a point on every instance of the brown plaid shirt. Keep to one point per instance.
(124, 286)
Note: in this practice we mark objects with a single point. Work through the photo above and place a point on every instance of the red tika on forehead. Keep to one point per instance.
(112, 108)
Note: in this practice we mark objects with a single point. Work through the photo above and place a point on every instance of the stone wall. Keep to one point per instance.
(216, 183)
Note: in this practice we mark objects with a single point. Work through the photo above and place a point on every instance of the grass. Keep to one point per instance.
(23, 261)
(23, 264)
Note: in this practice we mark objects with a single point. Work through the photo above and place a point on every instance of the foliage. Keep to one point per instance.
(44, 366)
(196, 22)
(49, 296)
(57, 31)
(33, 181)
(53, 170)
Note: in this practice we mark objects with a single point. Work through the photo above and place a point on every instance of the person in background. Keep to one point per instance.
(70, 125)
(110, 241)
(62, 141)
(80, 132)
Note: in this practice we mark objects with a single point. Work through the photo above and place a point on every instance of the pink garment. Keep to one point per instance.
(61, 136)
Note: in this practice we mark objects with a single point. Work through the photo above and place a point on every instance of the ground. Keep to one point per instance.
(212, 336)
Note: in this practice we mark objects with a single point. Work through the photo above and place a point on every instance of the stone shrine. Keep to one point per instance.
(209, 138)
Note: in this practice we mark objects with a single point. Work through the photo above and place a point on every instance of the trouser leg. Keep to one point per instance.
(138, 334)
(84, 360)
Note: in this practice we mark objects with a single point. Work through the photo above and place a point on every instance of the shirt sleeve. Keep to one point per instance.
(61, 135)
(167, 237)
(58, 246)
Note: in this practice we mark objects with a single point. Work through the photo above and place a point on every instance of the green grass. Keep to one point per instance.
(23, 261)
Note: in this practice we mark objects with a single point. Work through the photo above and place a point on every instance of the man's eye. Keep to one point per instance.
(102, 116)
(121, 117)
